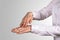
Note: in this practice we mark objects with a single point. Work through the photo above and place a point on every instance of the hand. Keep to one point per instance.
(21, 30)
(27, 19)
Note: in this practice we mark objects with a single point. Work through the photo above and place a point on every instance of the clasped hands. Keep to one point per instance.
(24, 28)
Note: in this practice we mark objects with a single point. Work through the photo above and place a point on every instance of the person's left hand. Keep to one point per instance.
(21, 30)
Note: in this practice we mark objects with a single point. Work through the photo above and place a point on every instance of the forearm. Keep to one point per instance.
(44, 30)
(44, 12)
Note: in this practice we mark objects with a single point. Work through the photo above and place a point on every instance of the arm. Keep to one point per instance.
(43, 13)
(40, 15)
(46, 30)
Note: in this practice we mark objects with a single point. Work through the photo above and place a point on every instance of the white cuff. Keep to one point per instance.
(34, 28)
(46, 30)
(37, 28)
(40, 30)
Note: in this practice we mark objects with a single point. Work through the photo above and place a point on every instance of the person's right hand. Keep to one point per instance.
(23, 28)
(27, 19)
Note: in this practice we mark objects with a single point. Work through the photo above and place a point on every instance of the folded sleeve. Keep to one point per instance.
(46, 30)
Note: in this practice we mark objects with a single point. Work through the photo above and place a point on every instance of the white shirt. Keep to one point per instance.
(52, 9)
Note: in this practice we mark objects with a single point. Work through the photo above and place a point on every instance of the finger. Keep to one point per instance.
(15, 30)
(23, 30)
(21, 24)
(20, 31)
(30, 21)
(25, 22)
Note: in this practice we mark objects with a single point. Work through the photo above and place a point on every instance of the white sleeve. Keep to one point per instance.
(46, 30)
(43, 13)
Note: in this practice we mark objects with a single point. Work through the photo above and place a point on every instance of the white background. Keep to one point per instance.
(11, 14)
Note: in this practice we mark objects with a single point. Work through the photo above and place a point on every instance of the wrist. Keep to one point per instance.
(29, 27)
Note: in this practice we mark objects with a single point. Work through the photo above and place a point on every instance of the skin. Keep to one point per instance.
(24, 28)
